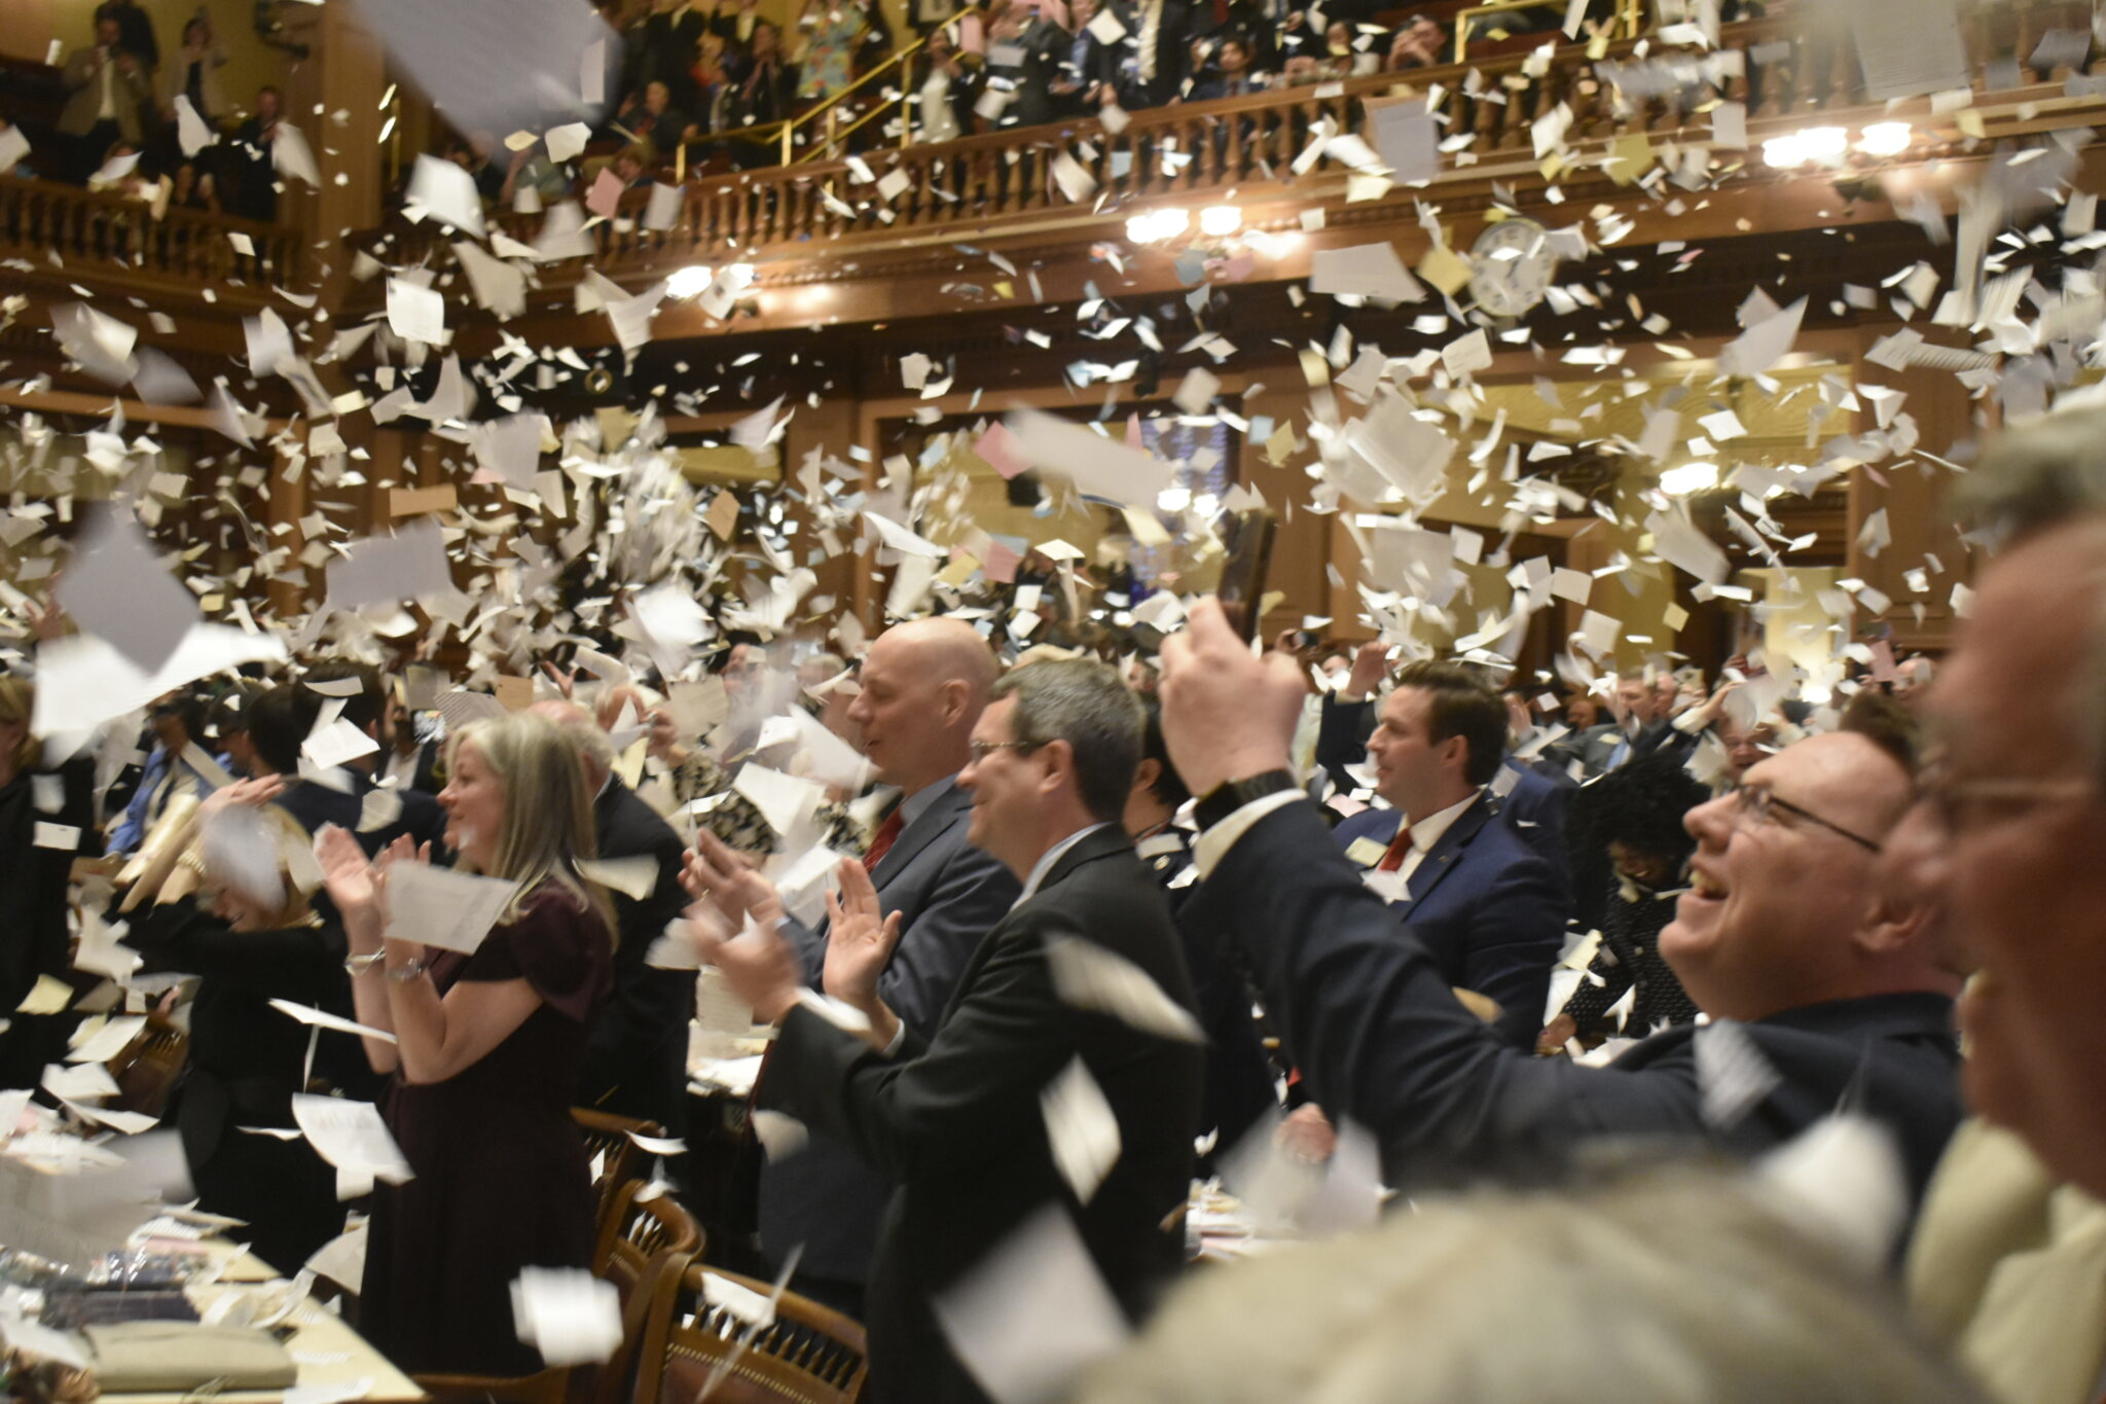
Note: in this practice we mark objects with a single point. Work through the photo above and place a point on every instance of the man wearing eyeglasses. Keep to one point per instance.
(2008, 1264)
(1824, 991)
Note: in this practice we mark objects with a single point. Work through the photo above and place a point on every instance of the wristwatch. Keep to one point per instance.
(1231, 795)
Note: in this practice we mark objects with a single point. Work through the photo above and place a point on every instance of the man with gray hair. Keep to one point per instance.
(2009, 1262)
(956, 1118)
(636, 1054)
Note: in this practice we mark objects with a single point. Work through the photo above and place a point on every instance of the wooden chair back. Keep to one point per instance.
(809, 1355)
(643, 1250)
(614, 1156)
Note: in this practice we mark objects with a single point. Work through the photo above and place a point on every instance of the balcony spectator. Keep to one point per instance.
(193, 187)
(650, 116)
(669, 39)
(1232, 72)
(1024, 50)
(1344, 54)
(765, 93)
(1215, 20)
(194, 74)
(107, 83)
(712, 77)
(1161, 53)
(254, 180)
(135, 31)
(635, 166)
(1418, 43)
(948, 87)
(841, 39)
(1089, 75)
(119, 174)
(736, 28)
(530, 170)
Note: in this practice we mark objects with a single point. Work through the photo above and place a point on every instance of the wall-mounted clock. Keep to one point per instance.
(1511, 266)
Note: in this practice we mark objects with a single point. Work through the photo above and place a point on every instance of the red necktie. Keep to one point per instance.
(887, 834)
(1399, 846)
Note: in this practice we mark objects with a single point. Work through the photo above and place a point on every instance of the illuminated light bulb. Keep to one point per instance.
(1825, 144)
(1173, 499)
(1886, 138)
(1219, 221)
(1784, 152)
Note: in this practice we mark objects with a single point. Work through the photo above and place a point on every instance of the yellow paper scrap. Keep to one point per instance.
(49, 995)
(1445, 269)
(1630, 156)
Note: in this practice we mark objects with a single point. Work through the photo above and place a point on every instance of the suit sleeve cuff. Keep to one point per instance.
(1213, 845)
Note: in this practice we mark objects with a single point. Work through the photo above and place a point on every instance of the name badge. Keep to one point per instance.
(64, 837)
(1366, 851)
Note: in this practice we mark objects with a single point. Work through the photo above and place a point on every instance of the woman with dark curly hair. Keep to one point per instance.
(1634, 816)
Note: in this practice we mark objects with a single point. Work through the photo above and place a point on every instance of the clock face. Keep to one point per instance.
(1511, 267)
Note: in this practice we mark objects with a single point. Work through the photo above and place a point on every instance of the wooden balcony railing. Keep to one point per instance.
(982, 187)
(100, 231)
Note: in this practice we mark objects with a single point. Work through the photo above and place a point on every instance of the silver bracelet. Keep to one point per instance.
(360, 964)
(408, 970)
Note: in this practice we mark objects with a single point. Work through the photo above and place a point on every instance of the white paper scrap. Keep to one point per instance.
(439, 907)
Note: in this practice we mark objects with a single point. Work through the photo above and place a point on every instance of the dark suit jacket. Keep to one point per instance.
(246, 1061)
(1656, 738)
(1173, 53)
(669, 53)
(1045, 45)
(956, 1120)
(949, 895)
(1240, 1085)
(315, 805)
(636, 1054)
(1533, 804)
(1485, 906)
(1368, 1016)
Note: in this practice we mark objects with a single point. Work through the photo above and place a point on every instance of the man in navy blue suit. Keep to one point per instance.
(922, 688)
(1488, 908)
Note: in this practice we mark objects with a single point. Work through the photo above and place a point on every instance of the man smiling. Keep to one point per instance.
(1836, 987)
(955, 1116)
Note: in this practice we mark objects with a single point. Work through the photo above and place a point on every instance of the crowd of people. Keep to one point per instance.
(704, 86)
(159, 125)
(1316, 900)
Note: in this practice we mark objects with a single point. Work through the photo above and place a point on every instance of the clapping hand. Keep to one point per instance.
(715, 874)
(859, 942)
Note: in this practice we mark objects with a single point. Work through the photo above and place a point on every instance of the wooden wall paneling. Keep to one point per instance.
(1913, 496)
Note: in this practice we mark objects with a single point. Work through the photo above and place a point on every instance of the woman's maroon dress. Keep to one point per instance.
(502, 1180)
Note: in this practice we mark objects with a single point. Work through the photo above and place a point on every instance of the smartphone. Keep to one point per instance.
(1248, 537)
